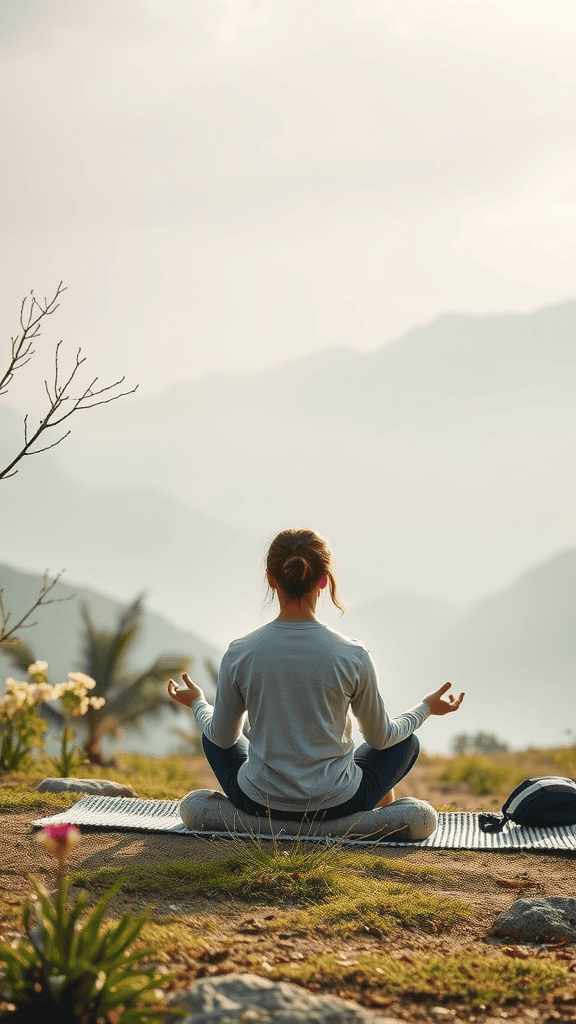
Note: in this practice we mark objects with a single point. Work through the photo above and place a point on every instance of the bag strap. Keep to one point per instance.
(492, 822)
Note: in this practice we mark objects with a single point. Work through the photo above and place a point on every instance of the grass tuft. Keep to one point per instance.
(380, 907)
(325, 887)
(481, 977)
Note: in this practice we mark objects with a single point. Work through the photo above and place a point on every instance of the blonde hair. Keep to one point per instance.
(298, 558)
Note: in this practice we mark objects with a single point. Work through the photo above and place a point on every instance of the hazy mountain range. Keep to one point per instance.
(513, 653)
(441, 464)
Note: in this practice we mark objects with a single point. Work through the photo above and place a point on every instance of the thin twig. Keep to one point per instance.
(45, 589)
(22, 350)
(61, 403)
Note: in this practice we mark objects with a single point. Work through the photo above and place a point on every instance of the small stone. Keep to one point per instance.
(538, 920)
(227, 1000)
(95, 787)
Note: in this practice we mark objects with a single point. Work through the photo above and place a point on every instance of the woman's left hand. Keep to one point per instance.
(185, 697)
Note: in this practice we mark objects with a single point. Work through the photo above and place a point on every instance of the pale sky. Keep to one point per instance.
(225, 184)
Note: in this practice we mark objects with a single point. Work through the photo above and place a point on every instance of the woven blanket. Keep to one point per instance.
(456, 830)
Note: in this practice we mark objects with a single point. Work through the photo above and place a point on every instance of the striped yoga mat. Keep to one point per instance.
(456, 830)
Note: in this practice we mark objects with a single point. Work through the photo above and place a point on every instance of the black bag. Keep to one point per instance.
(542, 803)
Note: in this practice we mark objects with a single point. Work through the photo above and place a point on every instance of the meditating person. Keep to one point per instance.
(297, 679)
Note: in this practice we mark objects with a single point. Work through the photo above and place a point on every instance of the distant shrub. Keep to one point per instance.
(481, 743)
(482, 775)
(565, 759)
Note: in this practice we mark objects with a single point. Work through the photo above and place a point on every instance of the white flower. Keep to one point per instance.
(40, 692)
(84, 680)
(8, 706)
(19, 692)
(15, 684)
(38, 669)
(74, 696)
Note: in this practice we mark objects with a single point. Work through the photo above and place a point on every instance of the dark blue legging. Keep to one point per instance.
(381, 771)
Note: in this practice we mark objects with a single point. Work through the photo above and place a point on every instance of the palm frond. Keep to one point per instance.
(163, 669)
(95, 642)
(105, 650)
(129, 627)
(127, 710)
(129, 698)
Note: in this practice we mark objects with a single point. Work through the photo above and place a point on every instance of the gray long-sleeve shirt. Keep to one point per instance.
(298, 681)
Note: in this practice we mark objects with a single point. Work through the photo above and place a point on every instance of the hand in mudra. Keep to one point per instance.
(185, 697)
(443, 707)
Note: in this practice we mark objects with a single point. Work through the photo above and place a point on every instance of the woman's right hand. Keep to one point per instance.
(185, 697)
(443, 707)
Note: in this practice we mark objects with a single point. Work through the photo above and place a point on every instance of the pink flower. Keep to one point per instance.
(59, 840)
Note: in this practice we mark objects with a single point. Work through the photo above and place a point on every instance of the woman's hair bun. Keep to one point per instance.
(298, 559)
(296, 568)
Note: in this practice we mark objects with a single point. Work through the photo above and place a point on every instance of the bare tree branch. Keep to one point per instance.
(22, 350)
(7, 631)
(61, 403)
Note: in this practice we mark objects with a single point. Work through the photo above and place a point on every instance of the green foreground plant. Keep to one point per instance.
(73, 969)
(21, 731)
(77, 972)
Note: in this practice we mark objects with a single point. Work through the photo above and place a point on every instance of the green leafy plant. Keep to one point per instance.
(20, 731)
(77, 972)
(70, 757)
(70, 969)
(21, 728)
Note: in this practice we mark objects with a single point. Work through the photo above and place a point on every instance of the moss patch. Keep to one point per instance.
(378, 906)
(20, 797)
(481, 978)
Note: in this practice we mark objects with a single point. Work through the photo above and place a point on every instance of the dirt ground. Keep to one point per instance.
(490, 882)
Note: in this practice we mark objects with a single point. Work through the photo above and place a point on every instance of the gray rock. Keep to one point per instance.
(96, 787)
(235, 998)
(538, 920)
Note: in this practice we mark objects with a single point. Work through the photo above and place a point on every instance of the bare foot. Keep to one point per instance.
(388, 798)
